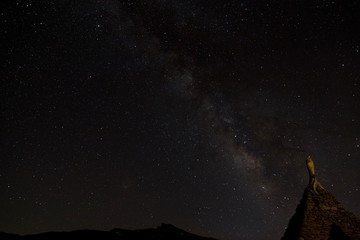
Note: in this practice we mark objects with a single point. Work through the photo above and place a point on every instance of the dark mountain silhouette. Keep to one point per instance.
(164, 232)
(320, 216)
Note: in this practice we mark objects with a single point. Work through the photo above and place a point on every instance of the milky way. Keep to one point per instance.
(199, 114)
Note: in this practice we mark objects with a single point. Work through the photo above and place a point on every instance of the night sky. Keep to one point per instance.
(196, 113)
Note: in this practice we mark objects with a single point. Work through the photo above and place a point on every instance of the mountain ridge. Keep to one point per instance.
(164, 231)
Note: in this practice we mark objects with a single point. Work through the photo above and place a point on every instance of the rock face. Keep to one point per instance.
(164, 232)
(320, 216)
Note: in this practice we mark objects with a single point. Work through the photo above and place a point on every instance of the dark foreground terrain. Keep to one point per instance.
(165, 231)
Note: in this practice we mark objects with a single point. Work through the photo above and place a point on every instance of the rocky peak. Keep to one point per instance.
(320, 216)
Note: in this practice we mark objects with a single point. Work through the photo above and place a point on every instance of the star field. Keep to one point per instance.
(200, 114)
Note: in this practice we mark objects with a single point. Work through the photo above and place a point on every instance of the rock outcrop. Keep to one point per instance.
(320, 216)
